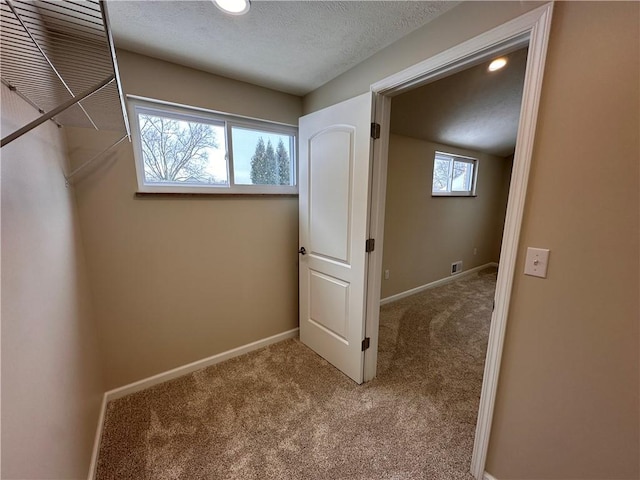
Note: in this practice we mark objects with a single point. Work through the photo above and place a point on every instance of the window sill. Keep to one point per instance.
(447, 195)
(210, 195)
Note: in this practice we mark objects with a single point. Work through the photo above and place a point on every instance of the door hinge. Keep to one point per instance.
(375, 131)
(366, 343)
(370, 245)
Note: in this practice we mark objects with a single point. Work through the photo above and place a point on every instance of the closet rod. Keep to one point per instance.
(26, 99)
(72, 101)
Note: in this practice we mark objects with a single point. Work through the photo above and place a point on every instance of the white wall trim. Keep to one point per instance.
(172, 374)
(539, 27)
(488, 476)
(436, 283)
(506, 37)
(96, 442)
(197, 365)
(533, 28)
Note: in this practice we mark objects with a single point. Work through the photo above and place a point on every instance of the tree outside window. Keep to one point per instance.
(269, 166)
(177, 150)
(453, 175)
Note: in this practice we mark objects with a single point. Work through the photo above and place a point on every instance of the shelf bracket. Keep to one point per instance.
(52, 113)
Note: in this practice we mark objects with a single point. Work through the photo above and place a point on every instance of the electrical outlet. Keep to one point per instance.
(386, 274)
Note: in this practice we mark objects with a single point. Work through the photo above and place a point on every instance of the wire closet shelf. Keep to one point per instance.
(59, 56)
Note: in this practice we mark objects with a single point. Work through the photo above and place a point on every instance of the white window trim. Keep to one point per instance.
(474, 161)
(160, 108)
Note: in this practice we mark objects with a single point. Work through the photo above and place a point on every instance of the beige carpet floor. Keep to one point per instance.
(283, 412)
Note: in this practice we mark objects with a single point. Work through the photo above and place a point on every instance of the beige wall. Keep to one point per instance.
(156, 79)
(51, 378)
(507, 169)
(567, 403)
(176, 280)
(424, 235)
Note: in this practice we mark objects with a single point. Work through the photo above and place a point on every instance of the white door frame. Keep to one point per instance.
(532, 28)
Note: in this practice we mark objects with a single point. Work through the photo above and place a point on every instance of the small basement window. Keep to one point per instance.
(186, 150)
(454, 175)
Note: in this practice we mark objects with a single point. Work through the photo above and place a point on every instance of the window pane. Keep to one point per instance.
(261, 158)
(181, 151)
(453, 175)
(462, 176)
(441, 173)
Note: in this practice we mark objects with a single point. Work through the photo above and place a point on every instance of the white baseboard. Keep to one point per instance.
(197, 365)
(435, 283)
(488, 476)
(96, 442)
(175, 373)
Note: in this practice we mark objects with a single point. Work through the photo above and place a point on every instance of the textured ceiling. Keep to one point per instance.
(297, 46)
(291, 46)
(473, 109)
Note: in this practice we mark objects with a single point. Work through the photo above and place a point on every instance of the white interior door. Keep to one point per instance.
(334, 182)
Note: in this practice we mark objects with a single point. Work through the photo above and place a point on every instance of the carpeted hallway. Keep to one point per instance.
(283, 412)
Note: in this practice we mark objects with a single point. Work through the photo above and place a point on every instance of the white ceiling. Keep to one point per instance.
(291, 46)
(473, 109)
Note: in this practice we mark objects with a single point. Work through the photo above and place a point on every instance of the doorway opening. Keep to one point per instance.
(528, 31)
(450, 157)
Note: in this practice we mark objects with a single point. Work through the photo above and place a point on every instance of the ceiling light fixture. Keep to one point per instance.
(497, 64)
(233, 7)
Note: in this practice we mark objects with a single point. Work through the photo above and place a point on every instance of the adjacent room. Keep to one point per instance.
(209, 271)
(450, 162)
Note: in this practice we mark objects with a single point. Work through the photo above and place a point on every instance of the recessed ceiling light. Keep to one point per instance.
(497, 64)
(233, 7)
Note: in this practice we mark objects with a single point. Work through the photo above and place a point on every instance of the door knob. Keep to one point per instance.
(302, 250)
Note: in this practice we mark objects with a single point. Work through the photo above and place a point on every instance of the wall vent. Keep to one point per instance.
(456, 267)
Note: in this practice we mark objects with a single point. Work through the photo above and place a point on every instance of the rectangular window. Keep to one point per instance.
(184, 150)
(454, 175)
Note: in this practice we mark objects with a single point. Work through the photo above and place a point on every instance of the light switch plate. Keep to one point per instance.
(537, 262)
